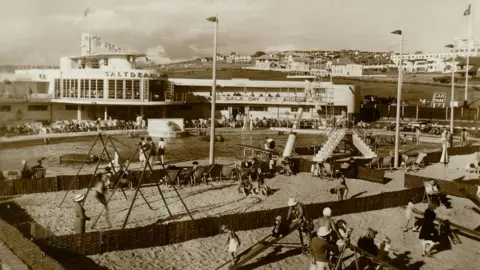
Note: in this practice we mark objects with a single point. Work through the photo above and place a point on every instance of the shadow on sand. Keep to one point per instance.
(272, 257)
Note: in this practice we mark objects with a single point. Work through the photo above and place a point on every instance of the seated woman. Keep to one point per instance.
(287, 167)
(26, 171)
(245, 186)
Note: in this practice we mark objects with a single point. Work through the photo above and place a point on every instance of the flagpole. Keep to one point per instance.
(468, 56)
(399, 102)
(214, 95)
(89, 28)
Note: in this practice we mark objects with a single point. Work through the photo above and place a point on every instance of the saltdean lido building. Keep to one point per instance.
(107, 82)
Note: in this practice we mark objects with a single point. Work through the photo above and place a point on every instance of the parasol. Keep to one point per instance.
(444, 158)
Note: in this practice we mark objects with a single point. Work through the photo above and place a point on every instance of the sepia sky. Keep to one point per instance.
(40, 31)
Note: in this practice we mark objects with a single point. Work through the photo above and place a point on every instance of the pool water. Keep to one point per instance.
(187, 148)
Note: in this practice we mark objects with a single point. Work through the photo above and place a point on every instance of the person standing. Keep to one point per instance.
(464, 137)
(417, 135)
(233, 242)
(251, 122)
(319, 249)
(428, 233)
(161, 150)
(80, 217)
(100, 194)
(409, 216)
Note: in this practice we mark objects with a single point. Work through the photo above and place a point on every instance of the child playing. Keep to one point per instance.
(447, 236)
(409, 216)
(233, 242)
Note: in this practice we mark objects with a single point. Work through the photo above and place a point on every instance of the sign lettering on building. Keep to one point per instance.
(439, 100)
(140, 75)
(42, 76)
(265, 99)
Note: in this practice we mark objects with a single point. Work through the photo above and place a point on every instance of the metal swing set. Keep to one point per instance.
(144, 177)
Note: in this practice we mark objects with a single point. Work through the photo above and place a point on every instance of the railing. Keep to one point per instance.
(365, 136)
(26, 97)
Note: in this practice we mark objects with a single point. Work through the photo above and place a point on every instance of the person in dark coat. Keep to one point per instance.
(428, 233)
(80, 217)
(280, 228)
(367, 242)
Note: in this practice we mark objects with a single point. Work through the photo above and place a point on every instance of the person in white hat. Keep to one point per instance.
(319, 248)
(296, 212)
(328, 222)
(80, 217)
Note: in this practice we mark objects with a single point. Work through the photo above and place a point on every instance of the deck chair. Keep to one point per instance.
(173, 176)
(327, 171)
(227, 172)
(386, 163)
(197, 175)
(214, 172)
(408, 162)
(419, 162)
(38, 174)
(374, 163)
(431, 189)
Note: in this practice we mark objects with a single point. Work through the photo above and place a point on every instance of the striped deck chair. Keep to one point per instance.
(197, 175)
(227, 172)
(386, 163)
(214, 172)
(408, 162)
(38, 174)
(327, 171)
(418, 163)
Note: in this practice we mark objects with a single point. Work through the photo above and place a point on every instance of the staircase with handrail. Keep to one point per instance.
(335, 137)
(359, 139)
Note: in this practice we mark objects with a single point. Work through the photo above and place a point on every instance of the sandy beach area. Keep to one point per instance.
(203, 200)
(210, 253)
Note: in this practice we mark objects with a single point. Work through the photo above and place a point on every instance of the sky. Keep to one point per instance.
(42, 31)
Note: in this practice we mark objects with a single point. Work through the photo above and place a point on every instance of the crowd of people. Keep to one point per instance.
(68, 126)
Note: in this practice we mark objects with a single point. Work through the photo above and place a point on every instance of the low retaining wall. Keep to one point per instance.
(25, 249)
(457, 189)
(176, 232)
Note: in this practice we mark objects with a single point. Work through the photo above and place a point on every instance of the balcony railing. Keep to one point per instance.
(17, 97)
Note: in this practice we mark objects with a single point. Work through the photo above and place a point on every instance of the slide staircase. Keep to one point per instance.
(359, 139)
(327, 150)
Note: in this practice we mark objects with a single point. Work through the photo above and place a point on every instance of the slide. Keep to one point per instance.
(372, 258)
(362, 146)
(259, 247)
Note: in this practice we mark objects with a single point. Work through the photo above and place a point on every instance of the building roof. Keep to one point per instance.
(267, 57)
(342, 62)
(101, 55)
(243, 83)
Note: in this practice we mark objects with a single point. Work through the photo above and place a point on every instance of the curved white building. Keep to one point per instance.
(112, 84)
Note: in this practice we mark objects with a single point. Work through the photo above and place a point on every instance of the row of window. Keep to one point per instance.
(124, 89)
(265, 109)
(92, 89)
(73, 89)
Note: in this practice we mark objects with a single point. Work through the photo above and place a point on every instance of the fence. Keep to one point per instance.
(58, 183)
(458, 189)
(371, 114)
(25, 249)
(176, 232)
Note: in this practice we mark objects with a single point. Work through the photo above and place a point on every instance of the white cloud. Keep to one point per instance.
(99, 20)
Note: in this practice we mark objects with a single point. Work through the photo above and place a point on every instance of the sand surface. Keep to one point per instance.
(219, 198)
(209, 253)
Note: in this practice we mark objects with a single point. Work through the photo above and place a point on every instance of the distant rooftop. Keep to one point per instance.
(107, 54)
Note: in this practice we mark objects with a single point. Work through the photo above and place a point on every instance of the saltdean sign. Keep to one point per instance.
(263, 99)
(126, 74)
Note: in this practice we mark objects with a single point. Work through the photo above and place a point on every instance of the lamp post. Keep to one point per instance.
(399, 99)
(452, 46)
(211, 159)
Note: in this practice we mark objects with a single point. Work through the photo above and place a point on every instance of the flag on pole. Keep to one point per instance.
(85, 14)
(467, 11)
(397, 32)
(212, 19)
